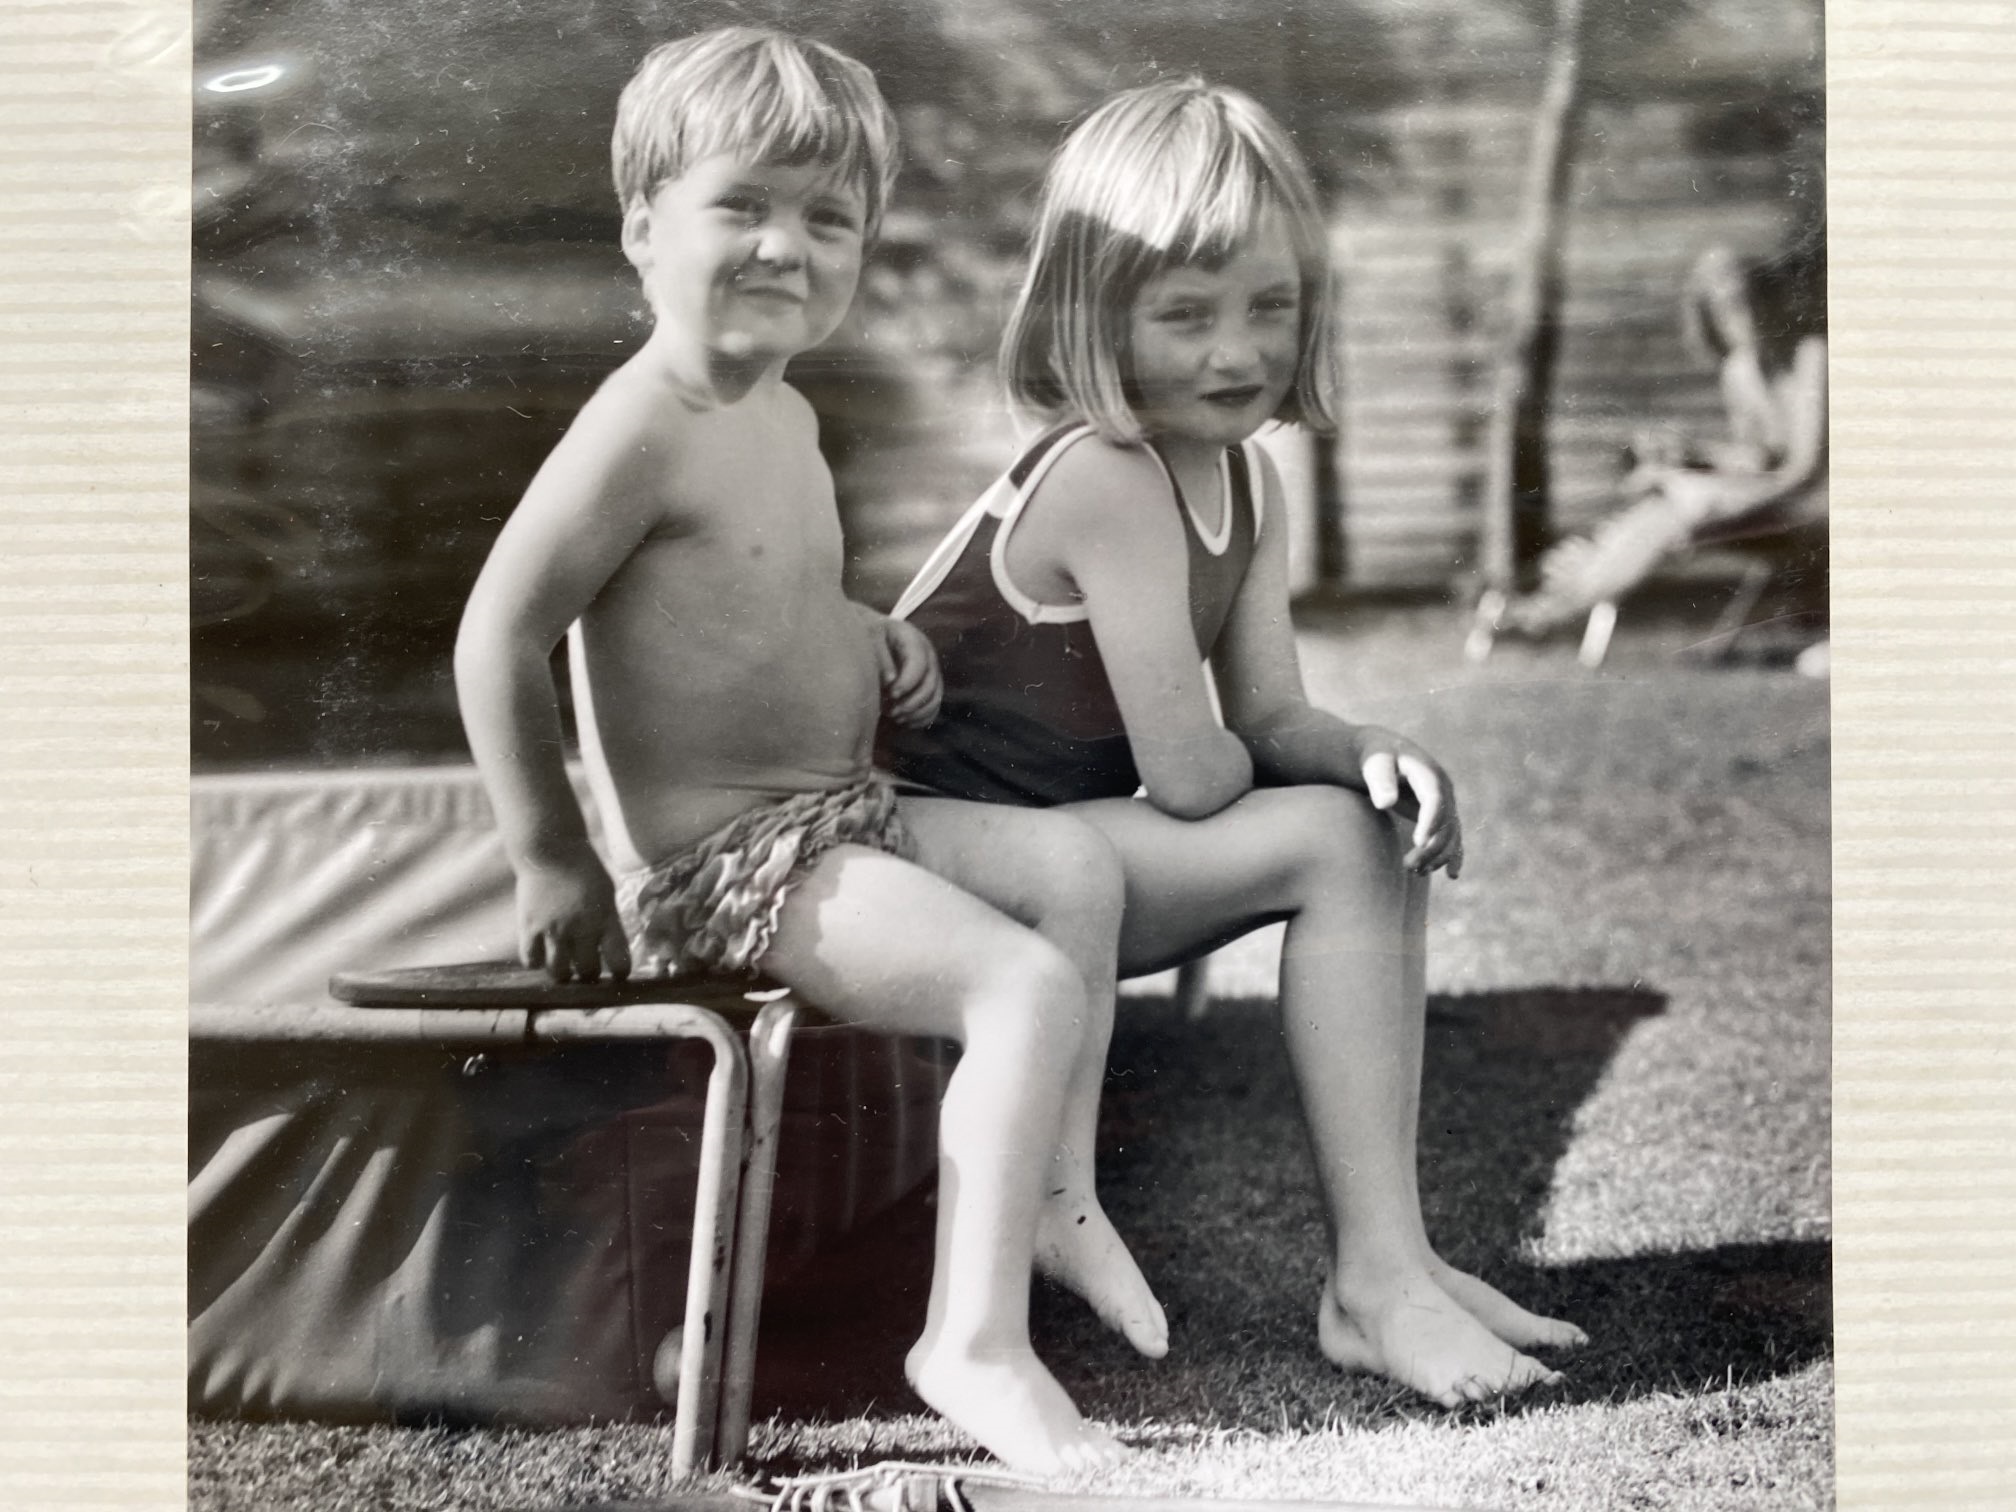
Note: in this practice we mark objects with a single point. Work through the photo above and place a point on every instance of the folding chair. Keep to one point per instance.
(479, 1004)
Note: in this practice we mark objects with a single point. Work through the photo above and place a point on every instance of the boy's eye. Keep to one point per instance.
(834, 219)
(738, 203)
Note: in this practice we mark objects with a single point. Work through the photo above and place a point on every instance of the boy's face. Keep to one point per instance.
(756, 261)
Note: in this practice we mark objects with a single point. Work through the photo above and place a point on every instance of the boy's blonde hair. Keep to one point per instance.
(1167, 175)
(771, 97)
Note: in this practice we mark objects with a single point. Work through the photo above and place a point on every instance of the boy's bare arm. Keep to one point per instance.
(583, 515)
(1292, 742)
(912, 683)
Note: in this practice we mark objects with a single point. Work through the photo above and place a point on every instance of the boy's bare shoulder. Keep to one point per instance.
(797, 415)
(627, 417)
(622, 448)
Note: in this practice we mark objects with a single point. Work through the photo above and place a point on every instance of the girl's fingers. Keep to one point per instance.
(1443, 848)
(1427, 785)
(1449, 850)
(1382, 779)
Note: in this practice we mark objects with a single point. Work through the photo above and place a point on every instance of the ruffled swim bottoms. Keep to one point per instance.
(714, 906)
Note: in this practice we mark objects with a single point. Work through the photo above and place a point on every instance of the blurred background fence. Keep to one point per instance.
(407, 280)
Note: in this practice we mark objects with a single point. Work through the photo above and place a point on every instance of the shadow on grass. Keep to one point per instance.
(1205, 1169)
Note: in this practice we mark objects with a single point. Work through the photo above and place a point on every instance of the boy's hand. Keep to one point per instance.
(911, 685)
(1387, 761)
(567, 923)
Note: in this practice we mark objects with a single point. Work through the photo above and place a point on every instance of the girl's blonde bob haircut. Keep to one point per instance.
(769, 97)
(1167, 175)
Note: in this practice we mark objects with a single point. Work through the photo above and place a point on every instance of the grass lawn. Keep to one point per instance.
(1625, 1122)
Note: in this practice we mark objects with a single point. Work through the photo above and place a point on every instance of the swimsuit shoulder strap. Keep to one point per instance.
(1246, 492)
(1043, 446)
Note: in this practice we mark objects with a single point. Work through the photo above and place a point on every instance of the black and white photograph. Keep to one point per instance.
(988, 752)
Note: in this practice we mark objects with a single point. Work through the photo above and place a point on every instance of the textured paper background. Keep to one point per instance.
(93, 726)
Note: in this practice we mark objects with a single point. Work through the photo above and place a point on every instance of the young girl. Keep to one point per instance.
(1175, 303)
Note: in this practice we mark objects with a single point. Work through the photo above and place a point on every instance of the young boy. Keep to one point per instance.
(727, 696)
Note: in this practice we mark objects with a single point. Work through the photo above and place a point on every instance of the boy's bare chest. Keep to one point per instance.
(762, 537)
(760, 546)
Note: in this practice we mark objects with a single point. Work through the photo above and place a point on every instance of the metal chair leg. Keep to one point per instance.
(714, 1203)
(1193, 989)
(769, 1059)
(1735, 615)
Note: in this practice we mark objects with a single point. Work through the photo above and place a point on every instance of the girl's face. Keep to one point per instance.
(1215, 350)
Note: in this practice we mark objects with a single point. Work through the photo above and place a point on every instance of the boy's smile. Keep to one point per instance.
(749, 263)
(1214, 350)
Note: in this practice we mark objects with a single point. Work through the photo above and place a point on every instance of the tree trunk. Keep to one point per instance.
(1516, 486)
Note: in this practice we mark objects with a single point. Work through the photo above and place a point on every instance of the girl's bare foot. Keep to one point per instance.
(1079, 1249)
(1012, 1405)
(1499, 1313)
(1415, 1333)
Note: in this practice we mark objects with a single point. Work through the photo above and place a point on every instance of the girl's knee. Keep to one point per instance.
(1342, 852)
(1336, 826)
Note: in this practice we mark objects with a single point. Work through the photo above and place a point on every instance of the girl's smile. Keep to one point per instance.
(1214, 350)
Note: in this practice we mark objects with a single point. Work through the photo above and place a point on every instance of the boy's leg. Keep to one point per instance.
(1059, 876)
(874, 939)
(1352, 1016)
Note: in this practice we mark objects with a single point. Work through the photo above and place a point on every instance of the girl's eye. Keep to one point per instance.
(834, 220)
(1179, 314)
(1277, 305)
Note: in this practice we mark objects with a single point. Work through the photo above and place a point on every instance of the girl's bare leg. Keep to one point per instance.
(1352, 1014)
(877, 940)
(1061, 878)
(1484, 1302)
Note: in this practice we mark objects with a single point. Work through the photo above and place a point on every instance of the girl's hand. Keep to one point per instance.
(1387, 762)
(911, 684)
(568, 923)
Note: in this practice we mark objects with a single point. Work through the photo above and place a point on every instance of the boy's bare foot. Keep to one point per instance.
(1499, 1313)
(1417, 1335)
(1078, 1248)
(1013, 1406)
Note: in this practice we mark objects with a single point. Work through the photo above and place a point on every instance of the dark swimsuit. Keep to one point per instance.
(1029, 715)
